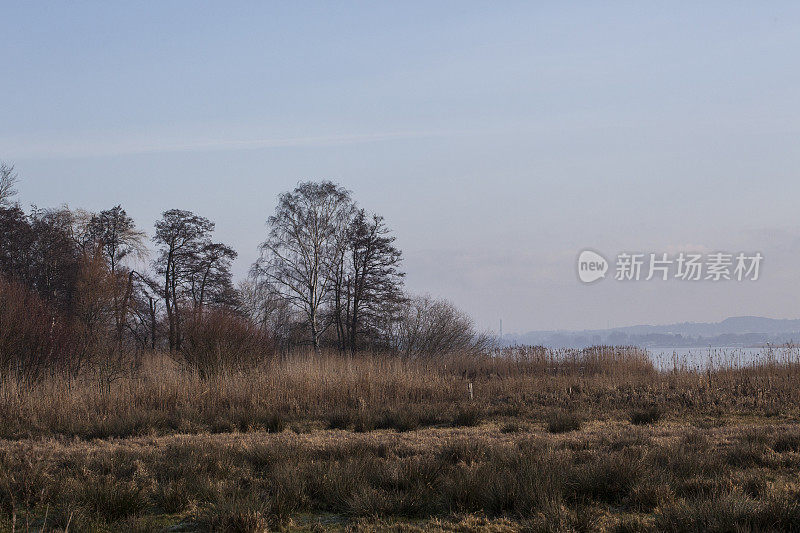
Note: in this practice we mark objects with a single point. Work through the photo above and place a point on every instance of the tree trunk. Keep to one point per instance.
(314, 334)
(354, 326)
(168, 304)
(175, 312)
(152, 324)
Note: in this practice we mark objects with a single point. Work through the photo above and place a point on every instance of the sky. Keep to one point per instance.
(498, 139)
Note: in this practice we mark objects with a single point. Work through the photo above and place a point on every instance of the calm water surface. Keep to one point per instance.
(721, 356)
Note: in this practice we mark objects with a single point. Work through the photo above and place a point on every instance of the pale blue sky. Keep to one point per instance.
(497, 138)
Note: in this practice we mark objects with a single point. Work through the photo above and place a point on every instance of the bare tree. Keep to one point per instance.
(114, 233)
(8, 181)
(428, 328)
(306, 237)
(372, 281)
(264, 305)
(146, 296)
(195, 270)
(52, 257)
(210, 277)
(16, 244)
(117, 235)
(181, 235)
(39, 256)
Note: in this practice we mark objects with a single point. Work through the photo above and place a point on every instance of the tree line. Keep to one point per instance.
(80, 289)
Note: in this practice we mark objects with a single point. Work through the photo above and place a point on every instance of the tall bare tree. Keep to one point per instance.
(306, 237)
(210, 277)
(181, 235)
(53, 257)
(115, 234)
(146, 296)
(371, 284)
(39, 250)
(195, 270)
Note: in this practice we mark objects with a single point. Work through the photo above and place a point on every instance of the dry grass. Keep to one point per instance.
(547, 442)
(559, 421)
(371, 391)
(606, 476)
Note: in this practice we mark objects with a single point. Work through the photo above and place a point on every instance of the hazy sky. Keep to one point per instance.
(498, 139)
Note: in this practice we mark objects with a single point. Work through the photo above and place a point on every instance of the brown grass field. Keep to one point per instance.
(593, 440)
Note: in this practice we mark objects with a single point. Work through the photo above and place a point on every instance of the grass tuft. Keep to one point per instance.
(650, 415)
(468, 416)
(558, 421)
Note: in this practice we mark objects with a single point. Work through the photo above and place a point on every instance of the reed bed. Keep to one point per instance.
(163, 396)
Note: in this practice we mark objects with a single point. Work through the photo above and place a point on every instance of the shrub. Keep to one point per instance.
(430, 328)
(220, 340)
(34, 338)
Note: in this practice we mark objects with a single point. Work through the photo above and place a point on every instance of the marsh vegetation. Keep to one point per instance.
(573, 440)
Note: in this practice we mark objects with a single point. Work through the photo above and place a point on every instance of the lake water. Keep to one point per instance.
(721, 356)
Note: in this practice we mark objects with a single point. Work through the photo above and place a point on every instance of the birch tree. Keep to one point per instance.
(299, 258)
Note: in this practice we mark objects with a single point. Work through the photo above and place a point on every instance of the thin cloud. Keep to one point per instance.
(90, 148)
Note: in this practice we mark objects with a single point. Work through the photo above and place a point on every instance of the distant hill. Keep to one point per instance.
(734, 331)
